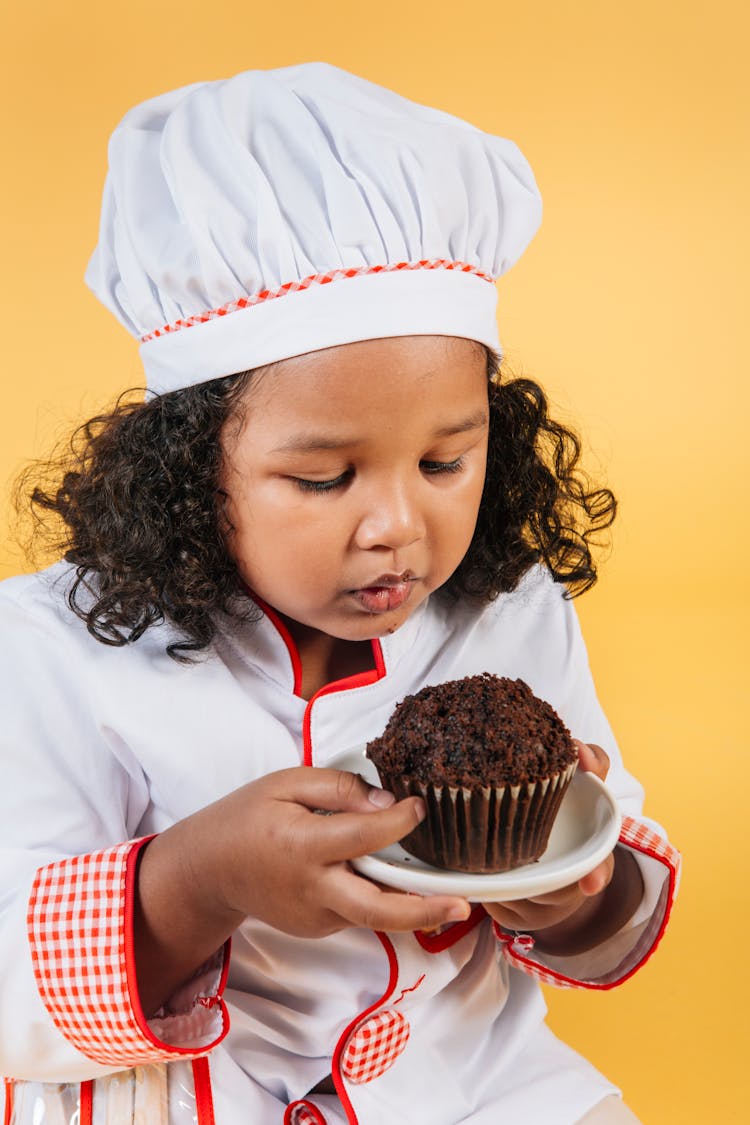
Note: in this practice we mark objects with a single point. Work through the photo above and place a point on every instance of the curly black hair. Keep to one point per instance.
(134, 503)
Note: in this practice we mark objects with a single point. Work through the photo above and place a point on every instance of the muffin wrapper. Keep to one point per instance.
(483, 830)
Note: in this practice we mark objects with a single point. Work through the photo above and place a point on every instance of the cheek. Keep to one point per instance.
(453, 533)
(466, 507)
(275, 535)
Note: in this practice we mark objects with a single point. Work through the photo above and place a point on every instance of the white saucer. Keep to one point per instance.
(585, 831)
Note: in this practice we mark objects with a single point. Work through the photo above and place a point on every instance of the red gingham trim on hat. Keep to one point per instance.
(640, 838)
(305, 283)
(374, 1046)
(303, 1113)
(80, 930)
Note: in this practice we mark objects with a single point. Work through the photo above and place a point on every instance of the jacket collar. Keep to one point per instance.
(266, 644)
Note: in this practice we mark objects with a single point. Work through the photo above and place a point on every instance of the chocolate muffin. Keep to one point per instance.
(491, 761)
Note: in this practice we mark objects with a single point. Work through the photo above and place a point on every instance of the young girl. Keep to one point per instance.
(329, 499)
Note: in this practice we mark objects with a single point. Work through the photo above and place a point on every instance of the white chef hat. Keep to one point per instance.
(283, 211)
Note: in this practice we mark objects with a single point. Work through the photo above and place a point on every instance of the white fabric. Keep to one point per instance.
(100, 744)
(414, 303)
(610, 1111)
(222, 190)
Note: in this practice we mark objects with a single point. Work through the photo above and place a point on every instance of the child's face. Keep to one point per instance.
(355, 479)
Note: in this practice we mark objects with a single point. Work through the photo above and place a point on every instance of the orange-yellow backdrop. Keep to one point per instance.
(627, 306)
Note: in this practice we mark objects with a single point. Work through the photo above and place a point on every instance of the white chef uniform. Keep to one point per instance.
(102, 746)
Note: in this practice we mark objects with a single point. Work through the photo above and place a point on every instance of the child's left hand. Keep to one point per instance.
(582, 915)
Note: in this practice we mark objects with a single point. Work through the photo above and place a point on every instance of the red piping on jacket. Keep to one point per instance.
(437, 943)
(339, 1049)
(204, 1102)
(86, 1111)
(131, 975)
(286, 637)
(8, 1101)
(349, 683)
(361, 679)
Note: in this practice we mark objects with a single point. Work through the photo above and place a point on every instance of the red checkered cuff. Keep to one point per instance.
(518, 949)
(80, 929)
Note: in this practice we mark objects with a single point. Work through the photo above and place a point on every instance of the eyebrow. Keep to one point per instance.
(316, 443)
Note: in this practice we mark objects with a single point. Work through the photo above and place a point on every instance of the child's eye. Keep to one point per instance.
(321, 485)
(433, 467)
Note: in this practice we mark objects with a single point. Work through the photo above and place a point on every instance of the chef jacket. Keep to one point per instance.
(103, 746)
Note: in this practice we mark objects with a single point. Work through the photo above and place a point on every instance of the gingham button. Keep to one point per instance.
(374, 1046)
(305, 1113)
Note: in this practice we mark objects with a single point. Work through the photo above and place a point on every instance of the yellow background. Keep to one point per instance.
(627, 306)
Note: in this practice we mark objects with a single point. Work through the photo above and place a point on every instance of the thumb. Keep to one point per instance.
(592, 758)
(596, 880)
(328, 790)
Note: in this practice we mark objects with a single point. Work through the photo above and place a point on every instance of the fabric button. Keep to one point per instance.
(303, 1113)
(374, 1046)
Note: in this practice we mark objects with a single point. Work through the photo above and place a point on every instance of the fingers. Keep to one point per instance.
(591, 884)
(596, 880)
(592, 758)
(363, 903)
(301, 793)
(548, 910)
(331, 790)
(349, 835)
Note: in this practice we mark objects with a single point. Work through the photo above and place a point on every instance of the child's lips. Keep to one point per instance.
(381, 599)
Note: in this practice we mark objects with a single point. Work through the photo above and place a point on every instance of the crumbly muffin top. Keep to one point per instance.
(478, 731)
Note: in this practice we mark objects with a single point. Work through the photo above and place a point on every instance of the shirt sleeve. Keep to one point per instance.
(70, 805)
(622, 954)
(566, 667)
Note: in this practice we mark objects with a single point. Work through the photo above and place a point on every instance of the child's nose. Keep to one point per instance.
(393, 519)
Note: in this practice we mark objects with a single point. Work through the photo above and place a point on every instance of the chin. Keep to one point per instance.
(382, 625)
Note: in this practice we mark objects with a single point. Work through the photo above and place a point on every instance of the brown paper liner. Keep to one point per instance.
(482, 830)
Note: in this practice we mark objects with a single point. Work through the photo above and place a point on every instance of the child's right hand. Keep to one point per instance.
(264, 851)
(284, 863)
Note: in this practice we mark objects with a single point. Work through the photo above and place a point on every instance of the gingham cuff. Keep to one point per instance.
(633, 945)
(80, 929)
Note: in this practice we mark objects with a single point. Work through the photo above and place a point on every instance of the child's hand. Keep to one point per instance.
(264, 851)
(580, 916)
(286, 864)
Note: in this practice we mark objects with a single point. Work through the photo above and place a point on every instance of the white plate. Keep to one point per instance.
(585, 831)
